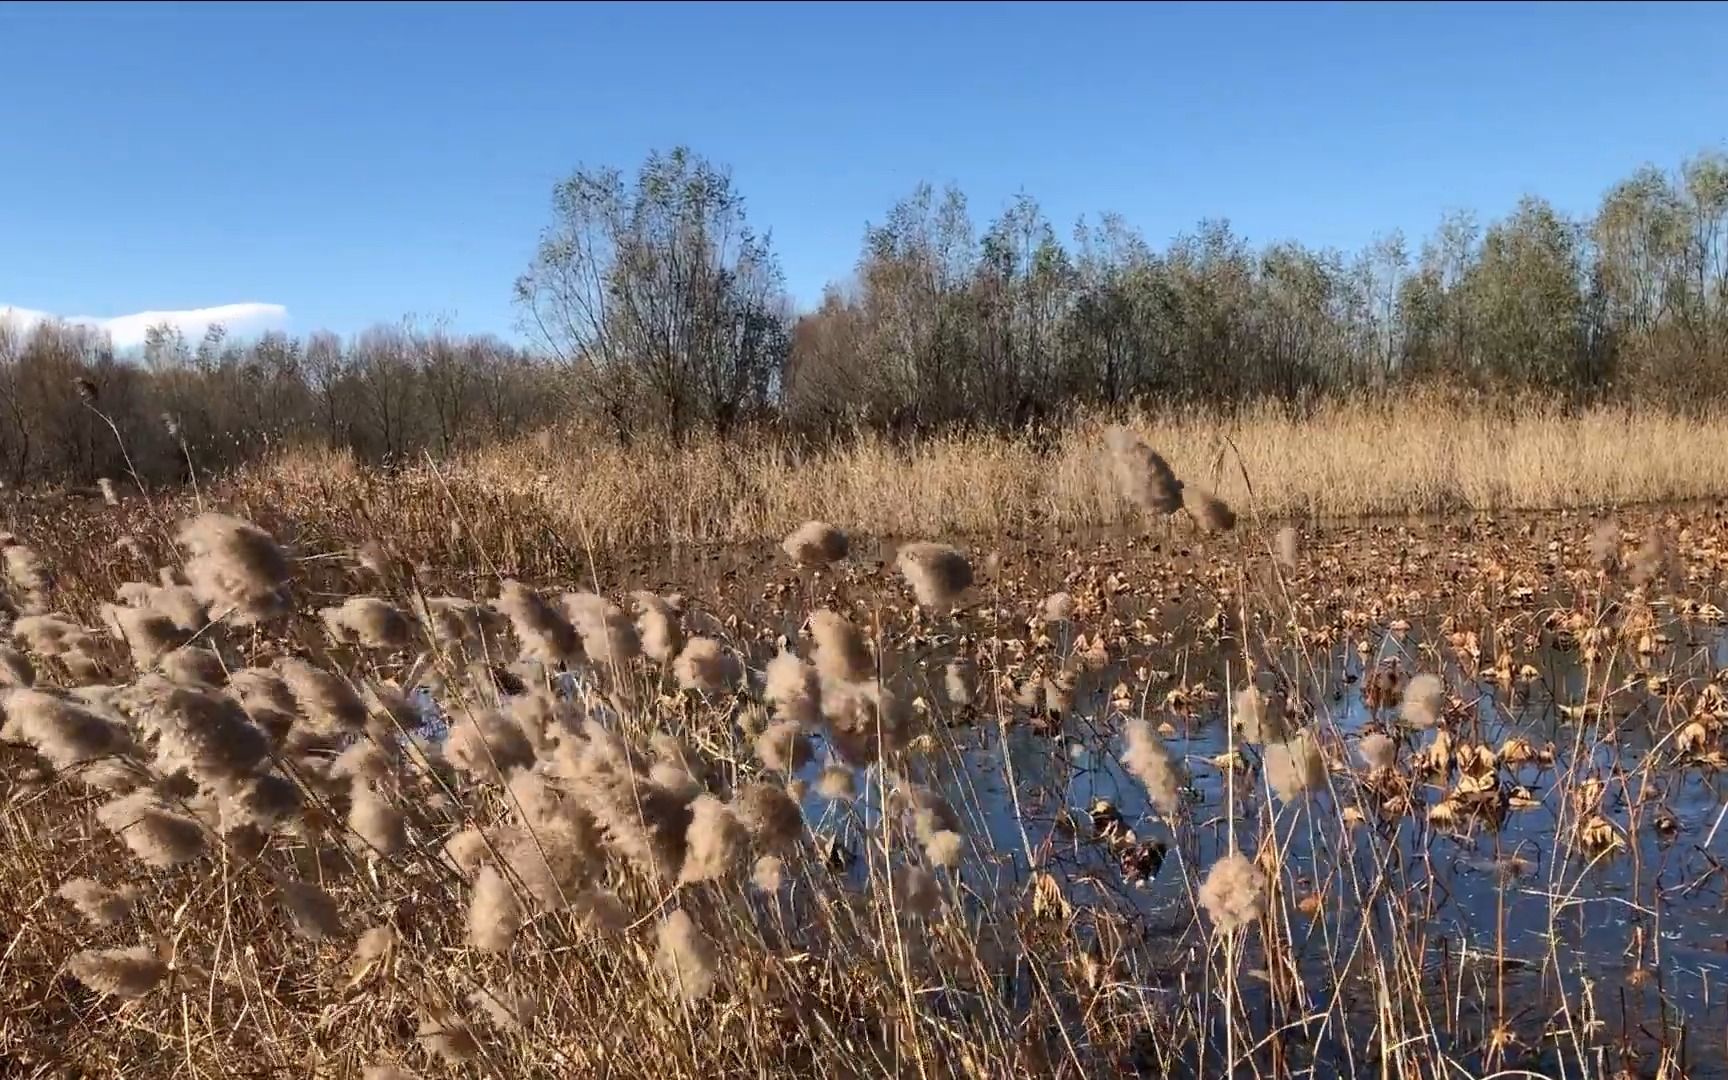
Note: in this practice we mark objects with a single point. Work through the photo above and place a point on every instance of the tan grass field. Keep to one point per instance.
(1423, 456)
(1400, 798)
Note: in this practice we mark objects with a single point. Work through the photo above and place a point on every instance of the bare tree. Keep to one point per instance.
(659, 296)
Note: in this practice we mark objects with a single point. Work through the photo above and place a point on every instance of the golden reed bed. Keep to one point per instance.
(1417, 456)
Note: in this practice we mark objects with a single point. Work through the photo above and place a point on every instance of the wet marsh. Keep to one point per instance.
(1521, 871)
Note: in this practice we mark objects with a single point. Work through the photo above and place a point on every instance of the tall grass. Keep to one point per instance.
(1375, 458)
(244, 855)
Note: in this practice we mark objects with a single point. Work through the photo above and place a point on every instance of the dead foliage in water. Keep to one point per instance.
(428, 801)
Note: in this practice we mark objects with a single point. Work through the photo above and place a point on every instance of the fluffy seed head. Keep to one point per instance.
(937, 573)
(1142, 476)
(842, 654)
(508, 1010)
(83, 667)
(769, 873)
(641, 820)
(235, 568)
(545, 719)
(960, 681)
(945, 848)
(180, 603)
(1424, 701)
(372, 946)
(783, 747)
(1234, 893)
(657, 626)
(917, 891)
(51, 635)
(494, 915)
(794, 690)
(556, 860)
(1650, 560)
(772, 817)
(535, 800)
(116, 776)
(25, 569)
(816, 543)
(608, 635)
(262, 802)
(375, 821)
(446, 1035)
(686, 957)
(466, 850)
(601, 911)
(543, 632)
(671, 750)
(194, 667)
(1149, 761)
(369, 622)
(1605, 546)
(363, 761)
(715, 841)
(147, 634)
(487, 745)
(266, 698)
(1057, 608)
(201, 731)
(1288, 545)
(1379, 751)
(311, 911)
(123, 973)
(16, 670)
(865, 720)
(925, 809)
(705, 666)
(98, 903)
(156, 835)
(1213, 513)
(837, 782)
(327, 702)
(1258, 719)
(64, 733)
(1294, 768)
(459, 623)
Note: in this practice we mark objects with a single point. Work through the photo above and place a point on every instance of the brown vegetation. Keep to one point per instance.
(819, 828)
(1435, 456)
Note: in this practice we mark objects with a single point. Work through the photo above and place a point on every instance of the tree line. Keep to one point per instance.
(72, 411)
(652, 306)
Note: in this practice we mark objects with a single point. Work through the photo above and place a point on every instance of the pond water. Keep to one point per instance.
(1509, 921)
(1649, 918)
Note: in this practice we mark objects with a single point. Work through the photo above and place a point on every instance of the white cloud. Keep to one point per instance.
(128, 331)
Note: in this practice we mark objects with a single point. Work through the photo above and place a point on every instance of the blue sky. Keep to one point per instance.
(355, 164)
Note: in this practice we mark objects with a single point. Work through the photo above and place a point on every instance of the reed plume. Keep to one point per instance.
(1142, 476)
(235, 568)
(795, 690)
(657, 626)
(816, 543)
(124, 973)
(543, 632)
(686, 957)
(1234, 893)
(494, 915)
(369, 622)
(1149, 761)
(704, 665)
(938, 574)
(1424, 701)
(97, 903)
